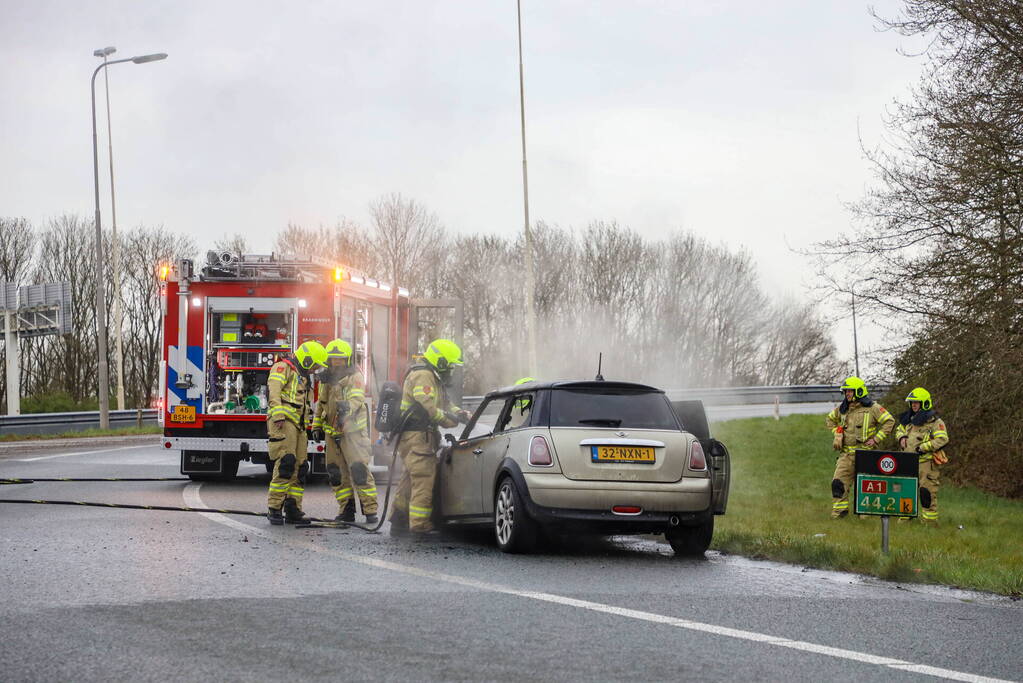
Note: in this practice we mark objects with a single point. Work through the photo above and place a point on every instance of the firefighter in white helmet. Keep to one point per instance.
(287, 416)
(341, 417)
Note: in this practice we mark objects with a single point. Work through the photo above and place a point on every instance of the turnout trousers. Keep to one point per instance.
(413, 500)
(289, 456)
(929, 482)
(842, 483)
(348, 459)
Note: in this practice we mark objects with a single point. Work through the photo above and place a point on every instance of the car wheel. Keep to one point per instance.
(691, 541)
(514, 530)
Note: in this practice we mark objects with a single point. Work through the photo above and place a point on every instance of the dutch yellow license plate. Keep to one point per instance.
(183, 414)
(622, 454)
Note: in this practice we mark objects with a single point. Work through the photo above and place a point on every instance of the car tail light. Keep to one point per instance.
(697, 460)
(626, 509)
(540, 453)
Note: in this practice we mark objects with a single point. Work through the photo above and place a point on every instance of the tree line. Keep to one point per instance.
(675, 312)
(938, 246)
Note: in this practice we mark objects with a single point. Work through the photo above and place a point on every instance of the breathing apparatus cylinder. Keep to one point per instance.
(388, 417)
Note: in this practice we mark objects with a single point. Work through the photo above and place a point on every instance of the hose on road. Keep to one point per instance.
(309, 522)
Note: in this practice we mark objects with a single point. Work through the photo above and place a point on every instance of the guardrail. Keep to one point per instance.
(733, 396)
(54, 423)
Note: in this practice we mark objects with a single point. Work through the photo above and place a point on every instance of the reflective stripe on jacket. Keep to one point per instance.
(350, 389)
(929, 437)
(860, 424)
(422, 387)
(288, 389)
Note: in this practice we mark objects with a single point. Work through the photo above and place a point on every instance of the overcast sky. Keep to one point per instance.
(739, 121)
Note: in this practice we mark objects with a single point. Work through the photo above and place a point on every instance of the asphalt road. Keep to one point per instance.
(106, 594)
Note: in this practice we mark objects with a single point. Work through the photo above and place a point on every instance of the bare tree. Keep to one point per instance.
(17, 243)
(233, 244)
(407, 239)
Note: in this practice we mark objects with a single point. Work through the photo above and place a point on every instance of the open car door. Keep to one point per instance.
(694, 420)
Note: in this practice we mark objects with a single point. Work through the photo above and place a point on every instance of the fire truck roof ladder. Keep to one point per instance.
(229, 267)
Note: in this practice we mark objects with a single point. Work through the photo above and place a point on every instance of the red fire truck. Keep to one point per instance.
(224, 326)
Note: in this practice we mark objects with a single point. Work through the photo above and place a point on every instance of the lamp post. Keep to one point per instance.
(118, 310)
(103, 370)
(530, 286)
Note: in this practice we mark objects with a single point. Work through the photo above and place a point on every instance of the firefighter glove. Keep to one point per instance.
(838, 442)
(454, 417)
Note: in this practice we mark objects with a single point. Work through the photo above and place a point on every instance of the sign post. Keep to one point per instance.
(887, 484)
(31, 311)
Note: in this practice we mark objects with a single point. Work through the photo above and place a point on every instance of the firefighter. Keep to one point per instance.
(341, 418)
(287, 415)
(423, 394)
(858, 422)
(922, 431)
(523, 406)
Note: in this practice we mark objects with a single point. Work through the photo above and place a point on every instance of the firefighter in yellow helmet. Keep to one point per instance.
(341, 417)
(287, 415)
(424, 395)
(858, 422)
(523, 407)
(922, 431)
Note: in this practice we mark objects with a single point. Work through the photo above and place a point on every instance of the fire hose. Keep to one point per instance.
(310, 522)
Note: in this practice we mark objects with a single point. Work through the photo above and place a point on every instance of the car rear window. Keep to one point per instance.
(615, 408)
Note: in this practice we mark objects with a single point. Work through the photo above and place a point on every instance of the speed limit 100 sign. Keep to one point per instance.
(887, 464)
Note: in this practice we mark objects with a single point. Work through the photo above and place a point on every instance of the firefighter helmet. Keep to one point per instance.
(310, 354)
(857, 385)
(443, 354)
(524, 404)
(922, 396)
(339, 348)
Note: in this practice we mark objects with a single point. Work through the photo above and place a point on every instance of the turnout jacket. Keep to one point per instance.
(345, 395)
(289, 391)
(855, 423)
(925, 434)
(423, 387)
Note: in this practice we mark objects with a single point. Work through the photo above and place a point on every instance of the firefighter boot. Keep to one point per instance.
(399, 522)
(274, 515)
(348, 513)
(372, 518)
(292, 515)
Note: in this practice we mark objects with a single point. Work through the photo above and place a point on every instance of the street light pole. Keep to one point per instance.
(103, 370)
(856, 345)
(530, 276)
(118, 309)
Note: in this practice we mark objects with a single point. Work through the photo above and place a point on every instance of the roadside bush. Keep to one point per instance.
(56, 402)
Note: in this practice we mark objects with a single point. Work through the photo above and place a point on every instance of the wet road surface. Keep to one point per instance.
(107, 594)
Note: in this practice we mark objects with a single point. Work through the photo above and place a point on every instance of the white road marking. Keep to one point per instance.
(68, 455)
(193, 499)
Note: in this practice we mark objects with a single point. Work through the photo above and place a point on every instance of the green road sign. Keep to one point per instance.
(877, 494)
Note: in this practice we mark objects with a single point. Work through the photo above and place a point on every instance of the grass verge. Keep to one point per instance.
(120, 431)
(780, 503)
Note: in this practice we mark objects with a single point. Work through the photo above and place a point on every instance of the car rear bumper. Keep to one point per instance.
(553, 499)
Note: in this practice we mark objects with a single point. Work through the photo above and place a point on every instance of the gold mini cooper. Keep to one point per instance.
(594, 456)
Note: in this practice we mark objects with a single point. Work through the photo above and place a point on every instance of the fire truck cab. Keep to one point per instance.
(225, 325)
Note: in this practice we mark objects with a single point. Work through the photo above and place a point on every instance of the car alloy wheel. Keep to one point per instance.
(504, 514)
(514, 530)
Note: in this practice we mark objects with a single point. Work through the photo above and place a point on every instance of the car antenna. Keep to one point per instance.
(600, 362)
